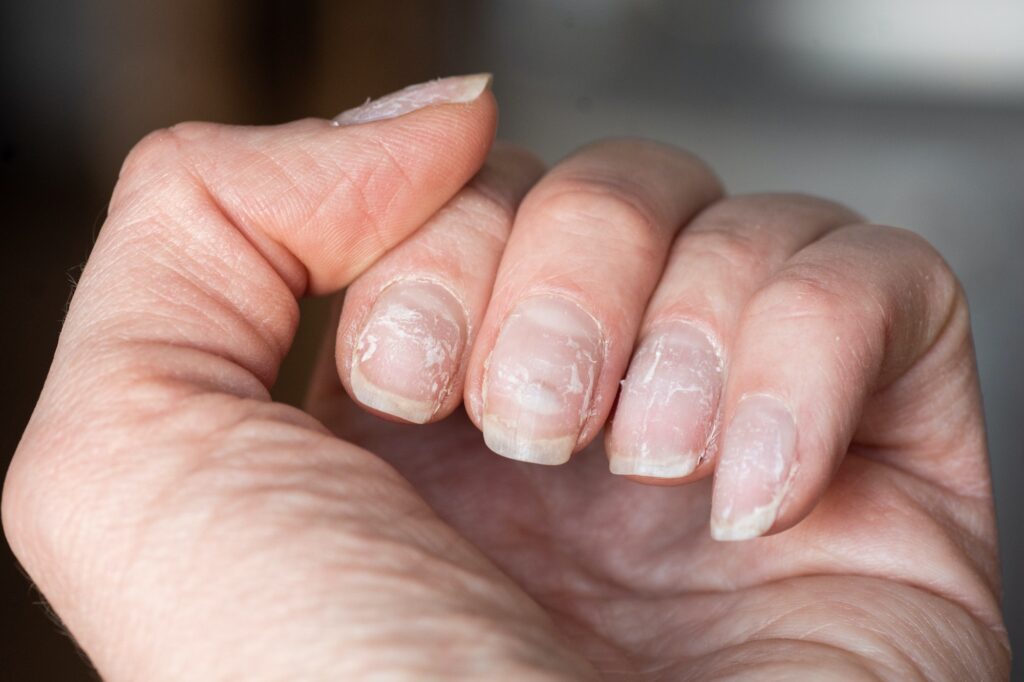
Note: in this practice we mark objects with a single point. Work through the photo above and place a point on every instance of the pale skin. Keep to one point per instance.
(793, 484)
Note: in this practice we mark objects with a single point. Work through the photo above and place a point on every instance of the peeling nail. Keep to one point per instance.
(408, 353)
(668, 404)
(540, 380)
(453, 90)
(755, 469)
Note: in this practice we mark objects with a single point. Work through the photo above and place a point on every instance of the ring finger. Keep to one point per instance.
(666, 422)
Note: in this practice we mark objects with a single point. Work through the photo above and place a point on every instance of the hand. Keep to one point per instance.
(184, 526)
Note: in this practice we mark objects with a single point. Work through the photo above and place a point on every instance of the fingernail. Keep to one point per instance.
(453, 90)
(755, 469)
(667, 405)
(540, 380)
(408, 353)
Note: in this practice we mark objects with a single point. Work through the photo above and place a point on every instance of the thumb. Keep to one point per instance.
(324, 197)
(214, 230)
(182, 526)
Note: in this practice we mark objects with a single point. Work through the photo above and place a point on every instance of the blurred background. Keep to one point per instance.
(909, 111)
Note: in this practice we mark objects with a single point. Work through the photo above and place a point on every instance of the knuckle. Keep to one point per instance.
(13, 509)
(935, 286)
(160, 149)
(480, 212)
(603, 205)
(37, 520)
(788, 203)
(774, 211)
(155, 151)
(933, 270)
(159, 157)
(649, 152)
(935, 264)
(734, 248)
(805, 292)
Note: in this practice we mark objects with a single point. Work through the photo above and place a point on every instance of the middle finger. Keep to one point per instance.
(666, 423)
(585, 253)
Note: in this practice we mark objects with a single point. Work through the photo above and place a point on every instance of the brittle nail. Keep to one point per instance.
(452, 90)
(540, 380)
(408, 352)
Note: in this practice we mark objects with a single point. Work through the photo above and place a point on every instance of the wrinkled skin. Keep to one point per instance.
(183, 526)
(632, 578)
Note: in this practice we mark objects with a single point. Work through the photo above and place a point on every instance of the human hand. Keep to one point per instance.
(186, 527)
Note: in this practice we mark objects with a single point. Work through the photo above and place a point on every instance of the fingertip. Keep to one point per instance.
(666, 415)
(406, 359)
(688, 470)
(756, 470)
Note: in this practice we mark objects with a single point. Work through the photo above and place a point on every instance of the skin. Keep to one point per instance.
(184, 526)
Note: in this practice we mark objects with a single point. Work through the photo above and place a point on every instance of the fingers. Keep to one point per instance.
(586, 251)
(187, 304)
(188, 300)
(666, 420)
(409, 321)
(843, 319)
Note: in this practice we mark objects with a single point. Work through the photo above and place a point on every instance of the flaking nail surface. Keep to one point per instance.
(408, 353)
(452, 90)
(668, 404)
(540, 379)
(756, 469)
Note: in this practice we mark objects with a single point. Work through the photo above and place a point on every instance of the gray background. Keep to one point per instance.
(909, 111)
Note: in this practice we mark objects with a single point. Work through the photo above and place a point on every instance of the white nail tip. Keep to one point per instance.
(752, 525)
(453, 90)
(681, 466)
(374, 397)
(757, 521)
(507, 443)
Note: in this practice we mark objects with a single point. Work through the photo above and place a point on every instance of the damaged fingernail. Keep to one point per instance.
(407, 354)
(540, 380)
(452, 90)
(755, 469)
(667, 405)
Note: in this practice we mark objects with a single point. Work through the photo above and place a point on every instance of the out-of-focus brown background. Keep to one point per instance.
(910, 111)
